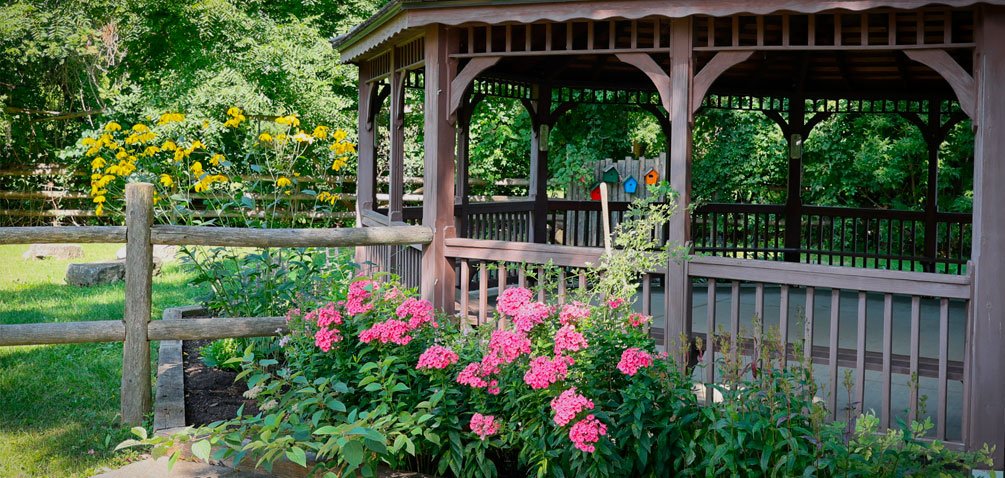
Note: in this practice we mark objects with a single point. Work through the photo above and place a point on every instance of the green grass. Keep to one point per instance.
(59, 403)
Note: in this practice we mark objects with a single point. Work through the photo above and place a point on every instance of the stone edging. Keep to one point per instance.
(169, 401)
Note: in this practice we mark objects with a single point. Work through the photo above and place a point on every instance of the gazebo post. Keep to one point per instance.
(540, 123)
(463, 186)
(678, 286)
(795, 136)
(987, 353)
(396, 166)
(932, 140)
(438, 282)
(366, 176)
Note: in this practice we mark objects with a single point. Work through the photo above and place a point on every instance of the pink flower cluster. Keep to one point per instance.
(511, 300)
(586, 432)
(545, 371)
(437, 357)
(568, 339)
(508, 346)
(615, 303)
(484, 425)
(638, 320)
(326, 318)
(569, 404)
(388, 331)
(417, 312)
(633, 359)
(356, 300)
(530, 315)
(478, 375)
(573, 313)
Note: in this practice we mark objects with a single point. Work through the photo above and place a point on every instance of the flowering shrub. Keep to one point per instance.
(575, 389)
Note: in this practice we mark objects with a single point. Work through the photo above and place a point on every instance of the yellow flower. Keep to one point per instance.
(99, 210)
(179, 154)
(302, 137)
(265, 138)
(97, 163)
(234, 111)
(141, 128)
(88, 141)
(205, 124)
(122, 154)
(328, 197)
(171, 118)
(169, 146)
(195, 145)
(219, 178)
(201, 186)
(288, 120)
(99, 200)
(166, 180)
(339, 163)
(321, 132)
(339, 135)
(281, 137)
(283, 182)
(196, 168)
(151, 150)
(216, 159)
(113, 126)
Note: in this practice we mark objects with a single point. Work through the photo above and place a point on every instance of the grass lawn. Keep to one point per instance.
(59, 403)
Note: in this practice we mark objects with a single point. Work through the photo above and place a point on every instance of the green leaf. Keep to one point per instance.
(297, 455)
(201, 449)
(353, 453)
(140, 432)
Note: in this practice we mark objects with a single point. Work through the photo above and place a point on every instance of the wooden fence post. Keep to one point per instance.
(139, 272)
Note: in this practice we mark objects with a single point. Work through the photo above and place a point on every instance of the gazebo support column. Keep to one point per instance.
(793, 197)
(463, 186)
(541, 125)
(396, 166)
(438, 178)
(986, 412)
(932, 140)
(366, 174)
(678, 286)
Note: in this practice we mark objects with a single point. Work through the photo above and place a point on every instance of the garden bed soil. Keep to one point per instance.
(210, 394)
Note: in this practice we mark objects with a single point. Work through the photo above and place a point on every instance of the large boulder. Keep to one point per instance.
(54, 251)
(95, 273)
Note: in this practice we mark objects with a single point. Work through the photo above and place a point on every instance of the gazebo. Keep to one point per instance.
(936, 322)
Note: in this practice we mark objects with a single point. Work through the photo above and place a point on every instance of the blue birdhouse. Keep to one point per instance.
(631, 185)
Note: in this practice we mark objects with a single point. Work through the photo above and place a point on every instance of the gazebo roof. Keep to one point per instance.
(403, 16)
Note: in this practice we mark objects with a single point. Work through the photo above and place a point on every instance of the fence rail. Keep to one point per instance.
(136, 331)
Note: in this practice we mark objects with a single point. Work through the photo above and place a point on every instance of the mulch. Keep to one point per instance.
(211, 394)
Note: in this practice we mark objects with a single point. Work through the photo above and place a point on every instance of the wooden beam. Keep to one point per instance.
(246, 237)
(986, 416)
(719, 64)
(961, 82)
(63, 235)
(660, 79)
(438, 283)
(136, 387)
(459, 85)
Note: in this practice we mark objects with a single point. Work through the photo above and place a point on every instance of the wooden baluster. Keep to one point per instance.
(860, 353)
(832, 354)
(734, 318)
(483, 293)
(540, 284)
(647, 299)
(783, 322)
(808, 326)
(465, 291)
(561, 285)
(915, 347)
(940, 426)
(887, 360)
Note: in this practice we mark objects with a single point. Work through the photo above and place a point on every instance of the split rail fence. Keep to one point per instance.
(136, 330)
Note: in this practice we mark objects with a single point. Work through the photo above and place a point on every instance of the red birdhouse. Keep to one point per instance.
(595, 193)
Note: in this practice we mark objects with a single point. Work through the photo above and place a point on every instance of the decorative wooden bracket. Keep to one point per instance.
(721, 62)
(962, 83)
(399, 99)
(465, 77)
(378, 93)
(653, 70)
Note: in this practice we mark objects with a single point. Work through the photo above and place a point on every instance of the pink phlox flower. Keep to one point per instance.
(290, 314)
(568, 339)
(573, 313)
(393, 293)
(568, 405)
(388, 331)
(508, 345)
(530, 315)
(417, 312)
(437, 357)
(359, 292)
(484, 425)
(586, 432)
(472, 376)
(638, 320)
(324, 338)
(633, 359)
(616, 302)
(545, 371)
(493, 388)
(511, 300)
(327, 316)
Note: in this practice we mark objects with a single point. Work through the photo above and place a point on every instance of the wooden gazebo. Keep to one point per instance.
(797, 62)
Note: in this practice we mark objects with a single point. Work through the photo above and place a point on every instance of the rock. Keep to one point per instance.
(95, 273)
(162, 253)
(54, 251)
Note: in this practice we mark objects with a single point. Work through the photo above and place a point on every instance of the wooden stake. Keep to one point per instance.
(605, 208)
(139, 273)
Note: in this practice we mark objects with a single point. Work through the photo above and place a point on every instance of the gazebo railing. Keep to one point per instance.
(902, 336)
